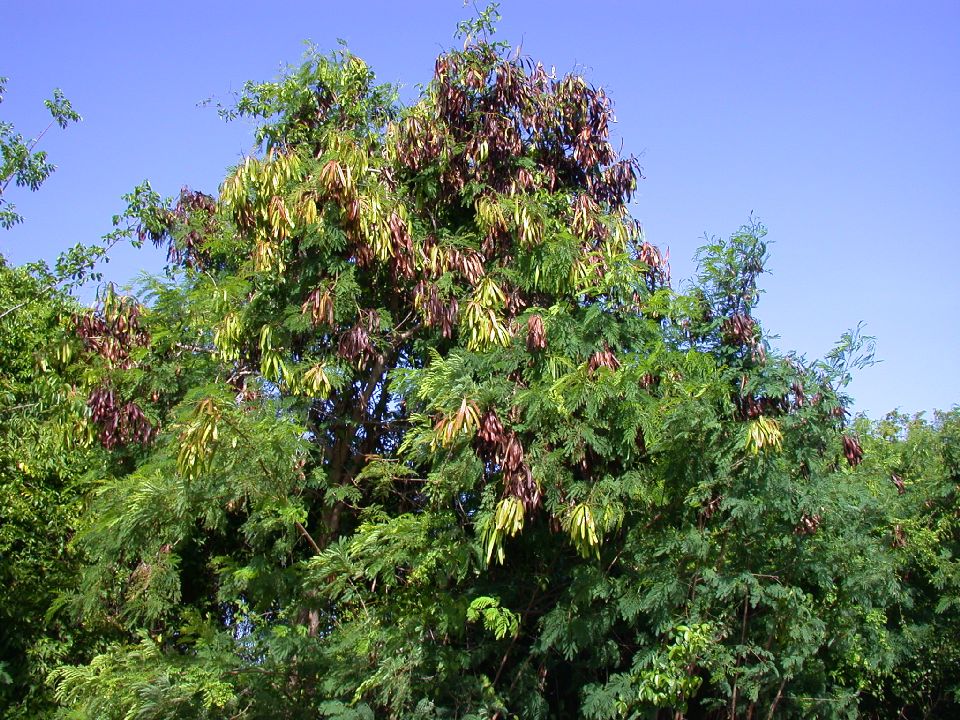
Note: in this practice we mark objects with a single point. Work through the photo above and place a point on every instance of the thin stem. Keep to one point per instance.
(308, 537)
(776, 700)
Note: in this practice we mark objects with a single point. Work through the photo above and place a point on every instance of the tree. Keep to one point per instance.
(919, 459)
(43, 465)
(22, 164)
(41, 469)
(416, 427)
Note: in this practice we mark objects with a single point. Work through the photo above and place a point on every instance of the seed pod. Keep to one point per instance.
(710, 507)
(355, 344)
(519, 483)
(808, 524)
(739, 330)
(491, 429)
(852, 450)
(603, 358)
(511, 452)
(798, 394)
(898, 481)
(899, 537)
(319, 304)
(536, 335)
(840, 413)
(118, 425)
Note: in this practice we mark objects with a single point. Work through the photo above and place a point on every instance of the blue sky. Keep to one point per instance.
(833, 122)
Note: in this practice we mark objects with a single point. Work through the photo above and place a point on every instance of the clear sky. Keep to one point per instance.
(835, 122)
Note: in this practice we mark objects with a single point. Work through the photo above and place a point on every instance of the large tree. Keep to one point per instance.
(417, 427)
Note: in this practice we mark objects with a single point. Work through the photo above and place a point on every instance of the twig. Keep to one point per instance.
(506, 654)
(13, 309)
(773, 705)
(309, 538)
(743, 637)
(22, 406)
(195, 348)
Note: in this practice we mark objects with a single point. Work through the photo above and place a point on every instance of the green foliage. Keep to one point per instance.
(415, 426)
(21, 163)
(43, 467)
(911, 464)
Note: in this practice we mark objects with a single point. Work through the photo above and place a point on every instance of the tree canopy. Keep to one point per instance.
(415, 425)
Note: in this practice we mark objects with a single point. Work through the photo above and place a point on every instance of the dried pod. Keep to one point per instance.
(798, 394)
(515, 303)
(711, 506)
(196, 211)
(603, 358)
(852, 450)
(808, 524)
(536, 334)
(113, 329)
(640, 441)
(840, 413)
(118, 425)
(740, 330)
(491, 429)
(750, 408)
(519, 483)
(435, 311)
(511, 452)
(899, 537)
(898, 481)
(650, 256)
(355, 344)
(319, 305)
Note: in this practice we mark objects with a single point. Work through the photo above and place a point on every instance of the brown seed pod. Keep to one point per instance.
(739, 330)
(898, 482)
(319, 305)
(899, 537)
(113, 329)
(840, 413)
(519, 483)
(808, 524)
(750, 407)
(355, 344)
(711, 506)
(491, 429)
(852, 450)
(119, 425)
(536, 334)
(603, 358)
(511, 452)
(798, 394)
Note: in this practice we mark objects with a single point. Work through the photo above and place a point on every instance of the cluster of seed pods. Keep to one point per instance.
(503, 448)
(112, 332)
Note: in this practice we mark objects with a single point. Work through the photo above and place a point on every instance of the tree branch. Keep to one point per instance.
(308, 536)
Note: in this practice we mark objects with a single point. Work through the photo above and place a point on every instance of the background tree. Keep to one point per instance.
(918, 458)
(43, 467)
(46, 458)
(22, 164)
(41, 486)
